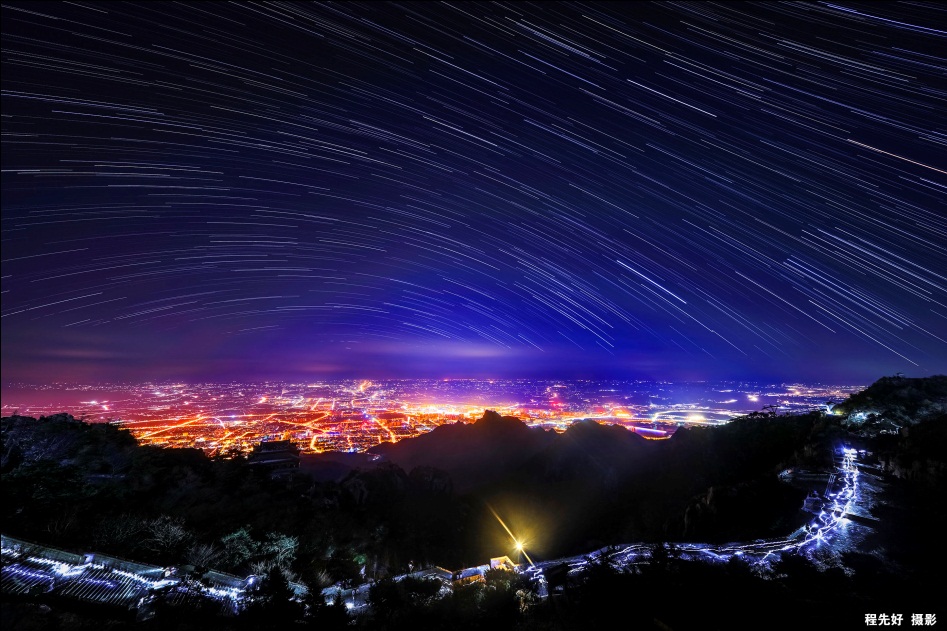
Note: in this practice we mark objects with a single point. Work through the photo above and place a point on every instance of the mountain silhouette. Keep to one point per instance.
(474, 454)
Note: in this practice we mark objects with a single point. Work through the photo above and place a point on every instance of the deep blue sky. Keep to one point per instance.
(669, 190)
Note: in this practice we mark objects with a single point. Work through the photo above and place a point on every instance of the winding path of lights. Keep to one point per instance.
(759, 553)
(91, 581)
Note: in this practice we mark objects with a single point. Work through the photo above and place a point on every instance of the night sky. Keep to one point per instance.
(684, 190)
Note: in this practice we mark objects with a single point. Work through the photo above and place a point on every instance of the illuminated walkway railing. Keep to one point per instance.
(34, 570)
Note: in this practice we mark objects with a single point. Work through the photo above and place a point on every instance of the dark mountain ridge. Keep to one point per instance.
(895, 402)
(474, 454)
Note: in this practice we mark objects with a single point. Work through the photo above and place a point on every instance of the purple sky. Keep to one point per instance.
(683, 191)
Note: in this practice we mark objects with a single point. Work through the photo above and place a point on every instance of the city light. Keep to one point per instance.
(354, 416)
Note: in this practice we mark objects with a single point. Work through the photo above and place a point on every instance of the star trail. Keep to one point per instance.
(659, 190)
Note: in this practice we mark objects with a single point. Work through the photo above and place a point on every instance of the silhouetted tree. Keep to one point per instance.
(326, 616)
(272, 605)
(397, 604)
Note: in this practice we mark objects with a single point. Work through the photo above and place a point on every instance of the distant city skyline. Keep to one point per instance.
(212, 192)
